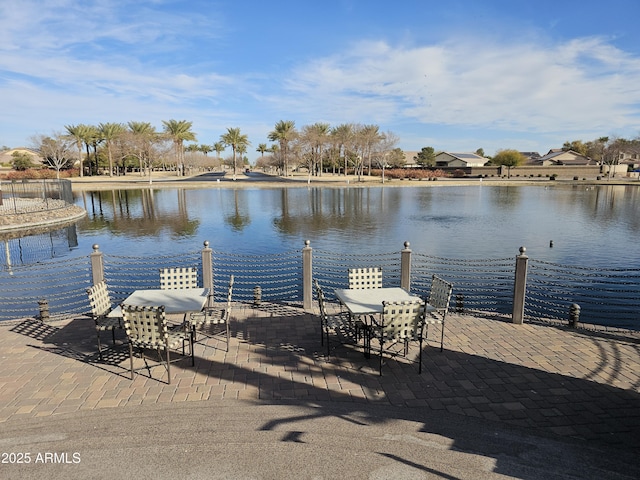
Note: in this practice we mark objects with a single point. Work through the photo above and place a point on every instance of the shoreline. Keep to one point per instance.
(297, 181)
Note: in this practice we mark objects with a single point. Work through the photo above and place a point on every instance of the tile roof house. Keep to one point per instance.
(447, 159)
(530, 157)
(561, 157)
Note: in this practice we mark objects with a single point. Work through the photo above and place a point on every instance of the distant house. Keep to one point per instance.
(530, 157)
(410, 158)
(561, 157)
(631, 157)
(461, 160)
(6, 157)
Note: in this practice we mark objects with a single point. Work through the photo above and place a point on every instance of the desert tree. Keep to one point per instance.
(509, 158)
(56, 151)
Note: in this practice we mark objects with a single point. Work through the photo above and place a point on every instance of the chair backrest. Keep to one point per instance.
(440, 294)
(178, 278)
(402, 320)
(99, 300)
(363, 278)
(145, 326)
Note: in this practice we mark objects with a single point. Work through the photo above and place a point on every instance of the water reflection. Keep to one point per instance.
(506, 197)
(139, 213)
(240, 218)
(319, 212)
(33, 245)
(454, 222)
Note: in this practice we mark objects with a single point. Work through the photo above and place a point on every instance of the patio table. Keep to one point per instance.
(369, 301)
(174, 301)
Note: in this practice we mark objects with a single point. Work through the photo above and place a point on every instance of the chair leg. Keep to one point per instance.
(99, 345)
(366, 336)
(168, 365)
(228, 334)
(326, 332)
(420, 357)
(131, 358)
(442, 338)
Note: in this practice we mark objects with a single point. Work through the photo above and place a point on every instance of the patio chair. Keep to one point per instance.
(214, 316)
(437, 306)
(106, 318)
(146, 329)
(400, 322)
(176, 278)
(179, 278)
(364, 278)
(339, 323)
(370, 277)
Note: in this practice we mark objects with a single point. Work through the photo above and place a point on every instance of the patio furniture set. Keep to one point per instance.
(142, 315)
(370, 312)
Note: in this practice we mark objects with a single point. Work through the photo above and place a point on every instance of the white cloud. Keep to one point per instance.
(581, 84)
(63, 61)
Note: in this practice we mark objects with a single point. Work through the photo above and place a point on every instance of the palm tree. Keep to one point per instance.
(179, 131)
(110, 131)
(218, 147)
(283, 133)
(262, 147)
(204, 148)
(78, 133)
(236, 140)
(91, 138)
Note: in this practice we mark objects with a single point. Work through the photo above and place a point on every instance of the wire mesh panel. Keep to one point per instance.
(36, 195)
(612, 294)
(61, 282)
(124, 274)
(333, 270)
(478, 285)
(608, 297)
(278, 276)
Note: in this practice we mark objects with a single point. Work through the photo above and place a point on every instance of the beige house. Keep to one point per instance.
(460, 160)
(410, 158)
(558, 156)
(6, 157)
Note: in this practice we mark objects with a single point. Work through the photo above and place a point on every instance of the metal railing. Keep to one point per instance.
(490, 286)
(28, 196)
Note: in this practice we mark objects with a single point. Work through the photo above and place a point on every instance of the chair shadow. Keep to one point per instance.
(453, 384)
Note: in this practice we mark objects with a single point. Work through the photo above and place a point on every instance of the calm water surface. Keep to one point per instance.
(588, 225)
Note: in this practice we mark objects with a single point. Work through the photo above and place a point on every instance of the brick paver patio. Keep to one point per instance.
(572, 383)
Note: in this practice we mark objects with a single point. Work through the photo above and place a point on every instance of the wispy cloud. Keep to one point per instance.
(576, 85)
(64, 61)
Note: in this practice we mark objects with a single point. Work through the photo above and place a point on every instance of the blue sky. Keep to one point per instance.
(456, 75)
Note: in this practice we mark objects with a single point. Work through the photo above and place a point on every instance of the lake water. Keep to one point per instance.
(587, 225)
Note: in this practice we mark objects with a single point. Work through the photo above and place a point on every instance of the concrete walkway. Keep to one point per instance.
(501, 401)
